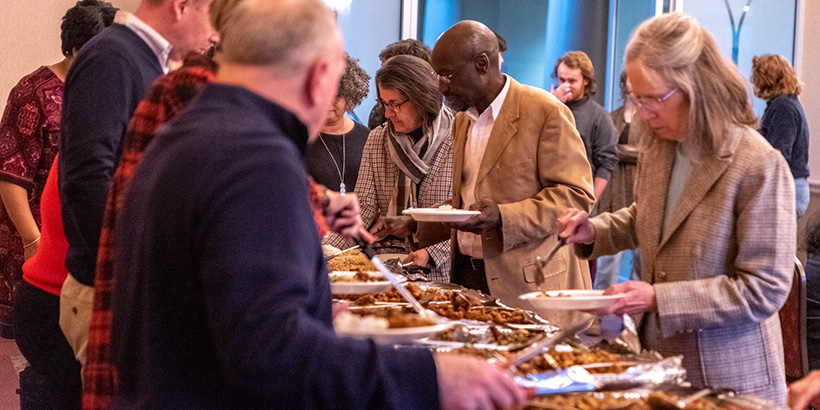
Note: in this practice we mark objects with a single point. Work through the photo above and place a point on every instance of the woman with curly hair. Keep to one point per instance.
(784, 123)
(333, 159)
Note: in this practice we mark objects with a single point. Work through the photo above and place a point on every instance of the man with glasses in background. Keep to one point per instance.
(519, 160)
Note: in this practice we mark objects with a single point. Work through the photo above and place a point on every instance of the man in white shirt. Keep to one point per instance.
(519, 160)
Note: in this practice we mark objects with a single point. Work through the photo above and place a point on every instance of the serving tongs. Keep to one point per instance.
(426, 313)
(540, 278)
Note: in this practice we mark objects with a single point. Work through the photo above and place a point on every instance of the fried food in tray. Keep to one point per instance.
(496, 336)
(621, 401)
(351, 260)
(562, 359)
(483, 314)
(393, 296)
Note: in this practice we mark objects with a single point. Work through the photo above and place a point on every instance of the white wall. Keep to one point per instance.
(30, 37)
(807, 61)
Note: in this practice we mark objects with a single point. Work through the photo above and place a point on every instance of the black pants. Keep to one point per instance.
(43, 344)
(469, 272)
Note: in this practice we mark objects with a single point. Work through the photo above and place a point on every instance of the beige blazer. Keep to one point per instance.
(534, 167)
(723, 267)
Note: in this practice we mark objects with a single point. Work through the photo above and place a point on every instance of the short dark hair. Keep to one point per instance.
(409, 47)
(83, 21)
(578, 60)
(502, 44)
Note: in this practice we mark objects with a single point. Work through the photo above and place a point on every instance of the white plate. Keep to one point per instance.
(400, 335)
(436, 215)
(357, 288)
(575, 299)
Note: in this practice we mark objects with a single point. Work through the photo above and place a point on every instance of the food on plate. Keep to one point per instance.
(557, 295)
(347, 322)
(445, 208)
(351, 260)
(356, 277)
(396, 317)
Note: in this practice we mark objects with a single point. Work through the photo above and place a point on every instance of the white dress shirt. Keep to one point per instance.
(480, 129)
(158, 44)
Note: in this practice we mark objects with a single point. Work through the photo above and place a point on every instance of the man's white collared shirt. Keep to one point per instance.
(158, 44)
(479, 134)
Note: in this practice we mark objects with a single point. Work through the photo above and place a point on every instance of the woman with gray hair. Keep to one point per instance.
(408, 162)
(713, 215)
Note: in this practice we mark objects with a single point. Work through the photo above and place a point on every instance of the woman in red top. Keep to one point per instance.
(29, 137)
(29, 134)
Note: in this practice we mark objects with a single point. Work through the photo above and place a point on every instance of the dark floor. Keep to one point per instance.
(11, 362)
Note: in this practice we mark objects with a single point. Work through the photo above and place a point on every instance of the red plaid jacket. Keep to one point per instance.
(166, 98)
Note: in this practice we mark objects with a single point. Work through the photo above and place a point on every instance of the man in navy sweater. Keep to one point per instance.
(108, 79)
(222, 298)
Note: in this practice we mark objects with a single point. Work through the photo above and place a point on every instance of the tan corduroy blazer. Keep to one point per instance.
(723, 267)
(534, 167)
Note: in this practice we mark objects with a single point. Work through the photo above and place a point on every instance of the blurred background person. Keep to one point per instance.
(619, 190)
(713, 215)
(576, 86)
(333, 159)
(52, 379)
(784, 122)
(31, 126)
(408, 162)
(407, 47)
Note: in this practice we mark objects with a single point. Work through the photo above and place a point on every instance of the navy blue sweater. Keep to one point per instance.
(111, 74)
(598, 133)
(221, 297)
(784, 126)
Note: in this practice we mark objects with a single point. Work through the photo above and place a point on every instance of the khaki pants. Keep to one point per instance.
(76, 303)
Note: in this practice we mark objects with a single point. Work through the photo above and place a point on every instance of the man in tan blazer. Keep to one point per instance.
(518, 159)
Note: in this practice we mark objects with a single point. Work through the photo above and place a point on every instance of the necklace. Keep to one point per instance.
(341, 171)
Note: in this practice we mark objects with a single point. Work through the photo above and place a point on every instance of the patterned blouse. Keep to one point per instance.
(29, 138)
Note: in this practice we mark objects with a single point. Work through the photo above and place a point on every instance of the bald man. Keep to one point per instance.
(520, 161)
(222, 298)
(109, 77)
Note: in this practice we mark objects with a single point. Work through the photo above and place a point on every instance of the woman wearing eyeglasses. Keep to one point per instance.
(408, 162)
(713, 215)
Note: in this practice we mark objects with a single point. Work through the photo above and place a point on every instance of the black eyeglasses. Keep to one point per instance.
(447, 78)
(395, 107)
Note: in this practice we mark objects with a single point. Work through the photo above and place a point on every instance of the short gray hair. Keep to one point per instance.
(287, 34)
(414, 78)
